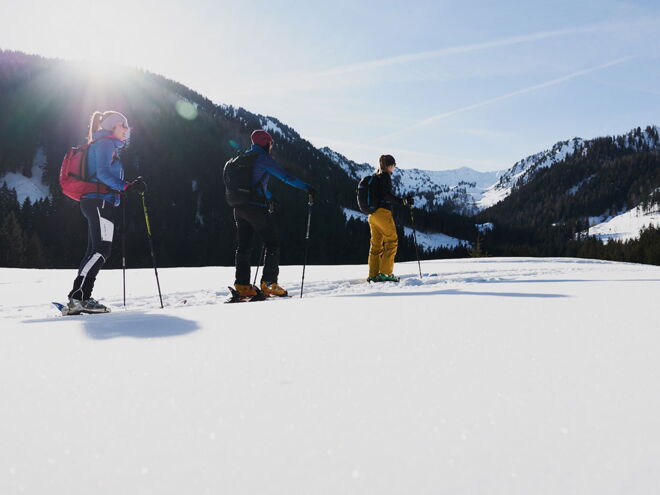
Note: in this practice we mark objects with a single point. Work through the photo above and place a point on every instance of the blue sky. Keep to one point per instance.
(438, 84)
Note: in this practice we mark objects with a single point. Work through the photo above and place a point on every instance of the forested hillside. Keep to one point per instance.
(179, 142)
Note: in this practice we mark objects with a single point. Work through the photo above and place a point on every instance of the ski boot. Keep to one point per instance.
(378, 278)
(93, 306)
(272, 289)
(73, 307)
(244, 293)
(76, 306)
(391, 278)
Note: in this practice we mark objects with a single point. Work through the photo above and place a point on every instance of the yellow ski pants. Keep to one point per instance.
(384, 242)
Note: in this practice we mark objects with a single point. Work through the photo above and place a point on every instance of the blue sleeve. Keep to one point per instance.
(104, 151)
(276, 170)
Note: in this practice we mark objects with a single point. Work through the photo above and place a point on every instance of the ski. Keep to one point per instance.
(63, 309)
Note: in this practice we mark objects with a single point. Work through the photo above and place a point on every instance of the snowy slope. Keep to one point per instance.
(354, 170)
(525, 168)
(626, 225)
(29, 187)
(498, 376)
(426, 241)
(464, 186)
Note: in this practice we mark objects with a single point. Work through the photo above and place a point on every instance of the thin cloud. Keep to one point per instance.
(473, 47)
(536, 87)
(311, 80)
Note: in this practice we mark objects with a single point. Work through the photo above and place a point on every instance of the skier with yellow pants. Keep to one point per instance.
(384, 239)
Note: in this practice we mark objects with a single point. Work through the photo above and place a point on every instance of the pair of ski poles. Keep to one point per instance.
(151, 246)
(310, 205)
(262, 256)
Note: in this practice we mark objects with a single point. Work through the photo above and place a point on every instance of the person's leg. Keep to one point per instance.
(88, 253)
(99, 215)
(376, 243)
(270, 235)
(244, 235)
(391, 244)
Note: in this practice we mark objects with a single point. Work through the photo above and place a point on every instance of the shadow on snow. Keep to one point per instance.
(130, 324)
(455, 292)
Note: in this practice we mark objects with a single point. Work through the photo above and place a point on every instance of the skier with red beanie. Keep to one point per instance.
(246, 180)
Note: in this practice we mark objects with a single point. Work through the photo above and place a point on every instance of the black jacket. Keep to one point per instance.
(384, 194)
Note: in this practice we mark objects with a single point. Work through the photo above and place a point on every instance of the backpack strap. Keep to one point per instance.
(114, 154)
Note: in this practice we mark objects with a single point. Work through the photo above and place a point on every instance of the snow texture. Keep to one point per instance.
(354, 170)
(485, 227)
(493, 375)
(624, 226)
(272, 127)
(29, 187)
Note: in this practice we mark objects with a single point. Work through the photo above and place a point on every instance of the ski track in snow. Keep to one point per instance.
(324, 287)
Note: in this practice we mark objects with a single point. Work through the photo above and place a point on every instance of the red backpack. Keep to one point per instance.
(73, 173)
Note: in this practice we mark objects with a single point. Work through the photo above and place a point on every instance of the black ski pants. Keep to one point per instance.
(100, 230)
(250, 219)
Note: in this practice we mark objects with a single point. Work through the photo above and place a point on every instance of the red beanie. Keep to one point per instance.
(261, 138)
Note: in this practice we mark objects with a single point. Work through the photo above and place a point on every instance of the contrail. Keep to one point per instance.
(293, 83)
(473, 47)
(506, 96)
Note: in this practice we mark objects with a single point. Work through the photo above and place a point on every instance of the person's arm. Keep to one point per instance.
(105, 149)
(276, 170)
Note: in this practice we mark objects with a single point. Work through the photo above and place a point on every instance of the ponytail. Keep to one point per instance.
(94, 125)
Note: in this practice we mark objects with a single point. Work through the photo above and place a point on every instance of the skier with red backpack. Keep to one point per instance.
(246, 178)
(94, 176)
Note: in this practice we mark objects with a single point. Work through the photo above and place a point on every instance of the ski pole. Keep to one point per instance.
(412, 220)
(151, 245)
(262, 256)
(123, 246)
(310, 205)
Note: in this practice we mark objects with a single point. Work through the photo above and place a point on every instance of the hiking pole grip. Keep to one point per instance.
(310, 205)
(151, 246)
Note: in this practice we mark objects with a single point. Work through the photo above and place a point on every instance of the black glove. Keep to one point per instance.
(408, 201)
(272, 205)
(137, 186)
(311, 195)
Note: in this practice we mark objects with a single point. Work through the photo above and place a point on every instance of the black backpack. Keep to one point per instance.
(366, 194)
(237, 176)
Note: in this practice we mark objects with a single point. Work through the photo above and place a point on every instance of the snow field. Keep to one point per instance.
(494, 375)
(627, 225)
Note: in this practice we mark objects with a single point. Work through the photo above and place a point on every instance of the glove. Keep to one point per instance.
(272, 205)
(137, 186)
(311, 195)
(408, 201)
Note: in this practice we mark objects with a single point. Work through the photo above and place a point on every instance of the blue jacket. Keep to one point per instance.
(264, 167)
(104, 166)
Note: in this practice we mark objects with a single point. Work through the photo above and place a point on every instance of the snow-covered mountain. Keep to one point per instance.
(427, 241)
(30, 186)
(523, 170)
(463, 187)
